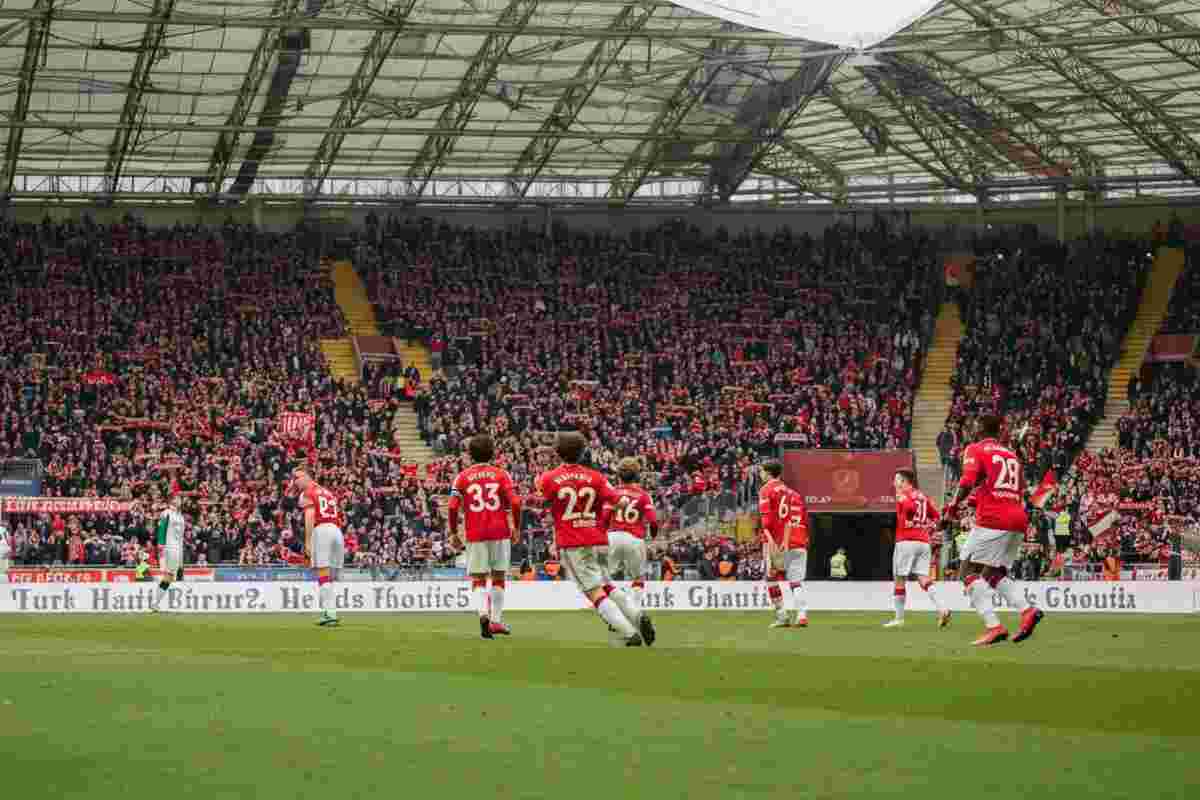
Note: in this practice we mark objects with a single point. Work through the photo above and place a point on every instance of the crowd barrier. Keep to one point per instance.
(256, 597)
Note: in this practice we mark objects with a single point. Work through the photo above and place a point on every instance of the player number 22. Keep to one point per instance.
(586, 496)
(485, 497)
(1009, 478)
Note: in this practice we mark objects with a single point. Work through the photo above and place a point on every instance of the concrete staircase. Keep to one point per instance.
(1168, 266)
(417, 355)
(408, 435)
(351, 297)
(934, 396)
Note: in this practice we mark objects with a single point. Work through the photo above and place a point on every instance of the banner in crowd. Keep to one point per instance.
(1096, 597)
(65, 505)
(845, 480)
(95, 575)
(1172, 347)
(297, 426)
(959, 269)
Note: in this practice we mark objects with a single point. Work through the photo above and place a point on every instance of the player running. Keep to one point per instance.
(493, 524)
(324, 544)
(169, 537)
(916, 516)
(785, 525)
(575, 495)
(628, 521)
(993, 471)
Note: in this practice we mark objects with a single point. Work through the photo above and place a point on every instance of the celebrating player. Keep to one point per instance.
(492, 522)
(576, 495)
(628, 521)
(915, 517)
(784, 520)
(171, 526)
(994, 473)
(323, 541)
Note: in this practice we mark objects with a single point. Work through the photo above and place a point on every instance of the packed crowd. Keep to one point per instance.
(1044, 324)
(687, 350)
(1183, 315)
(139, 362)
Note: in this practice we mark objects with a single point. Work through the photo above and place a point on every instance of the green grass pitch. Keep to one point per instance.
(418, 706)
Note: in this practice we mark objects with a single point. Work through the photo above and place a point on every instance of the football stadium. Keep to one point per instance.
(600, 398)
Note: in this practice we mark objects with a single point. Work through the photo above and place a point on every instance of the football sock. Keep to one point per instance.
(801, 598)
(624, 602)
(898, 598)
(161, 594)
(638, 590)
(325, 598)
(776, 595)
(613, 616)
(1009, 590)
(479, 589)
(981, 601)
(934, 598)
(497, 599)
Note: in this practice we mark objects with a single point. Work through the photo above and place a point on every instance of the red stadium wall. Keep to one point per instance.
(845, 481)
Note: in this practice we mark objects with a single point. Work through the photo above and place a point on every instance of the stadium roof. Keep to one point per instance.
(596, 100)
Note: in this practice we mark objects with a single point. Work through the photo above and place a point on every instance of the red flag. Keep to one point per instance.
(1045, 490)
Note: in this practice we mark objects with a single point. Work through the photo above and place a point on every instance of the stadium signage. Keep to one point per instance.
(1175, 597)
(66, 505)
(844, 480)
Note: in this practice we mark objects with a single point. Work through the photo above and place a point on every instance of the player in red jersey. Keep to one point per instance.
(576, 496)
(323, 542)
(993, 472)
(493, 523)
(628, 521)
(784, 521)
(916, 516)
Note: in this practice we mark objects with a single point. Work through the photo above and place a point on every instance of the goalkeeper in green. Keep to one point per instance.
(170, 541)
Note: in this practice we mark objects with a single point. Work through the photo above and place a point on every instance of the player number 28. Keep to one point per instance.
(1009, 478)
(627, 513)
(484, 497)
(586, 496)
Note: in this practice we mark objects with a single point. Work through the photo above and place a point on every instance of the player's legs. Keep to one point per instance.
(172, 566)
(774, 575)
(328, 558)
(922, 566)
(795, 569)
(618, 558)
(988, 551)
(1031, 616)
(478, 566)
(901, 569)
(499, 558)
(3, 570)
(583, 566)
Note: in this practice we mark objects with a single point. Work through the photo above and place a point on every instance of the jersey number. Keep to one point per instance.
(785, 511)
(1009, 478)
(920, 512)
(586, 496)
(627, 513)
(327, 505)
(484, 497)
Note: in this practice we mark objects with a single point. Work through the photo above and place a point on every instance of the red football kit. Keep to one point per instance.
(916, 515)
(781, 507)
(633, 512)
(486, 493)
(324, 504)
(994, 471)
(576, 495)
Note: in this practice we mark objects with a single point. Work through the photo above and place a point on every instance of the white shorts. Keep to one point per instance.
(911, 558)
(172, 560)
(792, 563)
(491, 556)
(328, 547)
(626, 554)
(584, 567)
(992, 548)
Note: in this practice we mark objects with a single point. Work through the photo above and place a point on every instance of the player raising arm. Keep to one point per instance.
(492, 520)
(994, 473)
(915, 517)
(784, 521)
(324, 543)
(169, 537)
(575, 495)
(628, 522)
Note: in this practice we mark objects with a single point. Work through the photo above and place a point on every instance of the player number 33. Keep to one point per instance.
(485, 497)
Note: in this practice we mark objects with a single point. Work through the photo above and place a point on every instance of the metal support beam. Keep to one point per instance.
(260, 63)
(355, 96)
(804, 168)
(128, 134)
(1145, 118)
(35, 40)
(459, 111)
(1148, 20)
(588, 77)
(771, 111)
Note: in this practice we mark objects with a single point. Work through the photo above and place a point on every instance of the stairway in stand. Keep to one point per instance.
(934, 396)
(1168, 266)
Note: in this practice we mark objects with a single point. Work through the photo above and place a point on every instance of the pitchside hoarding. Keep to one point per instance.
(1102, 597)
(845, 480)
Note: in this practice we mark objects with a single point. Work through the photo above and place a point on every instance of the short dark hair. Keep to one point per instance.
(773, 468)
(910, 476)
(570, 446)
(629, 469)
(482, 448)
(990, 425)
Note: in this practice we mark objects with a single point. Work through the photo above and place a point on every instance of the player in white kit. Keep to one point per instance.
(5, 553)
(171, 527)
